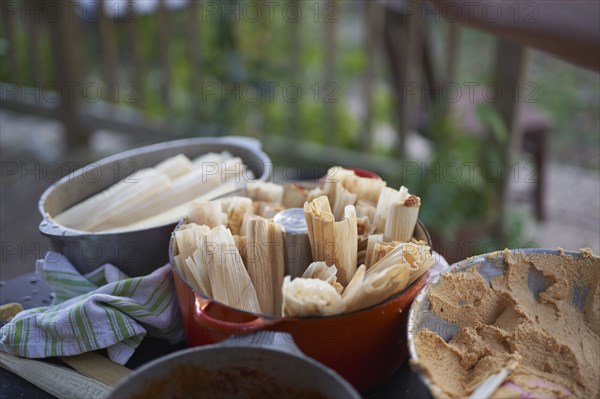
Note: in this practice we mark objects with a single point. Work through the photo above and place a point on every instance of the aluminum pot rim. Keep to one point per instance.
(290, 350)
(53, 229)
(459, 266)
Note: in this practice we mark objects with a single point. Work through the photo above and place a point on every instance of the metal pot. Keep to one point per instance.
(137, 252)
(489, 266)
(260, 365)
(365, 346)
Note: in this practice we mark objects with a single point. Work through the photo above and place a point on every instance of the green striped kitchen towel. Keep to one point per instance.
(102, 309)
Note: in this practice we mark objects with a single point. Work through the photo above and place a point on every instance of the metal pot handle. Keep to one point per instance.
(257, 324)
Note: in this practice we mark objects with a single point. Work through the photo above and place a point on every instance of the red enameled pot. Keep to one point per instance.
(365, 346)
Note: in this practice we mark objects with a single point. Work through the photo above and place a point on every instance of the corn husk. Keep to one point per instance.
(238, 208)
(368, 289)
(315, 193)
(186, 241)
(387, 197)
(265, 191)
(335, 175)
(365, 209)
(402, 219)
(332, 242)
(175, 167)
(372, 240)
(310, 297)
(365, 188)
(266, 262)
(242, 247)
(101, 208)
(183, 189)
(267, 210)
(380, 250)
(207, 213)
(340, 198)
(177, 213)
(229, 280)
(323, 272)
(294, 196)
(417, 256)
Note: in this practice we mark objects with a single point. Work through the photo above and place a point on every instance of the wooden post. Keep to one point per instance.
(32, 24)
(66, 48)
(510, 71)
(108, 41)
(8, 25)
(373, 35)
(195, 48)
(138, 77)
(329, 105)
(164, 35)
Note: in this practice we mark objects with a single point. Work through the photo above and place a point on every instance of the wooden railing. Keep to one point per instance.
(72, 60)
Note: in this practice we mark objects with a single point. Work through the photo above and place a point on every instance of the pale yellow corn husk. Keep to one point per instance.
(207, 213)
(368, 289)
(186, 241)
(181, 190)
(340, 199)
(238, 208)
(265, 262)
(332, 242)
(131, 191)
(265, 191)
(402, 219)
(267, 210)
(242, 246)
(174, 215)
(315, 193)
(294, 196)
(175, 167)
(183, 268)
(229, 280)
(365, 188)
(323, 272)
(372, 240)
(211, 160)
(310, 297)
(335, 175)
(365, 209)
(387, 197)
(419, 257)
(380, 250)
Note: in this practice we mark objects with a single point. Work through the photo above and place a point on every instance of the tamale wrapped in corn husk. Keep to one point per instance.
(183, 189)
(175, 167)
(265, 191)
(323, 272)
(242, 247)
(365, 209)
(387, 197)
(237, 209)
(315, 193)
(380, 250)
(294, 196)
(186, 239)
(207, 213)
(267, 210)
(265, 262)
(310, 297)
(368, 289)
(133, 190)
(402, 219)
(339, 199)
(365, 188)
(229, 280)
(332, 242)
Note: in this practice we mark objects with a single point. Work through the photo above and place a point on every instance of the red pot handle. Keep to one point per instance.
(201, 306)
